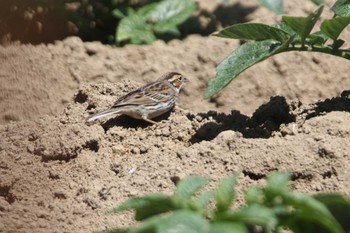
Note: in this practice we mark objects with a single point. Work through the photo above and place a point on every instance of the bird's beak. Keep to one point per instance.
(185, 80)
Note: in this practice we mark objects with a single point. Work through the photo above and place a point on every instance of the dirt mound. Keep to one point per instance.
(63, 174)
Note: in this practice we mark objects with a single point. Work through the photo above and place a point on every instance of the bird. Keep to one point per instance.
(149, 101)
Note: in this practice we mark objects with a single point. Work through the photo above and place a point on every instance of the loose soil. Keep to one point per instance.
(58, 174)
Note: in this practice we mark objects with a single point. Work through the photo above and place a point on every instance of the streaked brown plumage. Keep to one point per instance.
(149, 101)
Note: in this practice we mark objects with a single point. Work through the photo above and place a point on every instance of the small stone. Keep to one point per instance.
(132, 170)
(199, 118)
(143, 149)
(117, 149)
(30, 149)
(135, 150)
(290, 129)
(166, 132)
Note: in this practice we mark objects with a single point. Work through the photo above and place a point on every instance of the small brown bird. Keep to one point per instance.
(149, 101)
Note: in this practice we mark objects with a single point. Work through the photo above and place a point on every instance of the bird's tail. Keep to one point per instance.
(101, 114)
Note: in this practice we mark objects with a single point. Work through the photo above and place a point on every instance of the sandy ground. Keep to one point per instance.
(58, 174)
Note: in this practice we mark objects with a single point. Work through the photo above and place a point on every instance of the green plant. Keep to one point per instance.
(158, 19)
(293, 34)
(273, 208)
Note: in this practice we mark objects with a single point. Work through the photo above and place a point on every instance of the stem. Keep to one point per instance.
(335, 52)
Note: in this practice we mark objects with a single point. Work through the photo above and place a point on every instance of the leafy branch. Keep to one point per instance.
(273, 208)
(292, 34)
(153, 20)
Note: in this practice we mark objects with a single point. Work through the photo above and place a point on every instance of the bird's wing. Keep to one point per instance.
(150, 94)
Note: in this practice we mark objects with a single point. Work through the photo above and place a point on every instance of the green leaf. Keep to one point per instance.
(168, 14)
(253, 31)
(225, 193)
(333, 27)
(177, 222)
(225, 227)
(318, 2)
(240, 59)
(274, 5)
(342, 8)
(160, 17)
(189, 186)
(254, 195)
(284, 27)
(183, 221)
(338, 43)
(166, 28)
(135, 29)
(174, 12)
(339, 206)
(147, 206)
(118, 13)
(317, 38)
(278, 182)
(303, 25)
(203, 199)
(253, 214)
(147, 10)
(290, 31)
(115, 231)
(309, 210)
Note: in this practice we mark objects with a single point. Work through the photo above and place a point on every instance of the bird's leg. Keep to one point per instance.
(157, 124)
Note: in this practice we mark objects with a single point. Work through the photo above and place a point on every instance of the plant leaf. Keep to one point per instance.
(254, 195)
(338, 206)
(177, 222)
(309, 211)
(172, 12)
(225, 193)
(135, 29)
(333, 27)
(182, 221)
(147, 206)
(318, 2)
(225, 227)
(203, 199)
(147, 9)
(253, 31)
(290, 31)
(166, 28)
(118, 13)
(317, 38)
(303, 25)
(240, 59)
(285, 28)
(274, 5)
(342, 8)
(254, 214)
(278, 181)
(189, 186)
